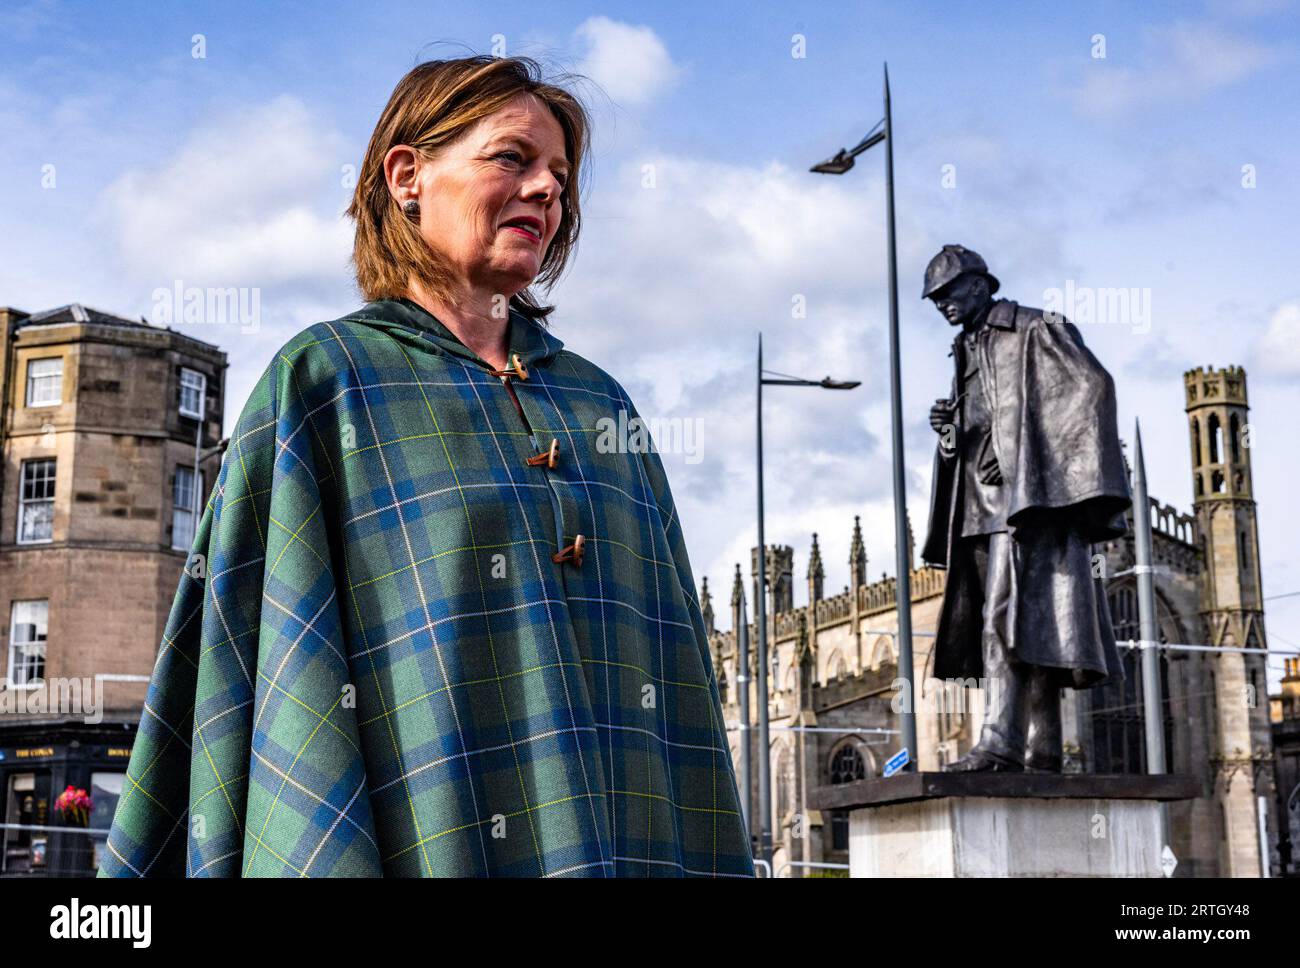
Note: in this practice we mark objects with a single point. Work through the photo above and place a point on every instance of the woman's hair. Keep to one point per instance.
(431, 107)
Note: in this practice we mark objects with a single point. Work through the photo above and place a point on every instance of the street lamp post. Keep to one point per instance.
(760, 607)
(838, 165)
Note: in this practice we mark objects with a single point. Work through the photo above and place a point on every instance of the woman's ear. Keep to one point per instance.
(401, 168)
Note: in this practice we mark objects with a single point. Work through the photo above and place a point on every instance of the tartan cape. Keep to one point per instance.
(373, 666)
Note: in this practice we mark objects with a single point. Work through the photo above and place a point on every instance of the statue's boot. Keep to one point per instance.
(1043, 764)
(1001, 746)
(1043, 739)
(985, 761)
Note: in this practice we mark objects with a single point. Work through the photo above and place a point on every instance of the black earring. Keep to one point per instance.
(412, 208)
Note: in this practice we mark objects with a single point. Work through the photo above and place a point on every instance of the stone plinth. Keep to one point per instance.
(1005, 825)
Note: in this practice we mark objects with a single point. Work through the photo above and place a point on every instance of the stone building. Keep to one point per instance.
(833, 666)
(100, 418)
(1284, 712)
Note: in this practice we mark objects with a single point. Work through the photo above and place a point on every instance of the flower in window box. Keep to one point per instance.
(74, 805)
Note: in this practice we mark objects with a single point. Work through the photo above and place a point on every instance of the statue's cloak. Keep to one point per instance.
(1056, 440)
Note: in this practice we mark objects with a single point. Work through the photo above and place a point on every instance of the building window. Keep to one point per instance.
(36, 502)
(1116, 709)
(193, 387)
(105, 791)
(27, 801)
(28, 626)
(784, 780)
(1216, 438)
(45, 382)
(847, 765)
(183, 500)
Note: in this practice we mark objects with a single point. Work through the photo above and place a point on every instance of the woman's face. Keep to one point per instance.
(509, 166)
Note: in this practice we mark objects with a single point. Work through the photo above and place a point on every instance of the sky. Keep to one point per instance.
(1080, 147)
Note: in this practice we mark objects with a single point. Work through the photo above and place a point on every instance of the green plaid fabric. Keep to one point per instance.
(374, 667)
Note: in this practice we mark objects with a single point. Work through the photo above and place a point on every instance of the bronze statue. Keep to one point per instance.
(1027, 475)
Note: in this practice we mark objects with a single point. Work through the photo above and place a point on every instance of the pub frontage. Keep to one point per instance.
(38, 763)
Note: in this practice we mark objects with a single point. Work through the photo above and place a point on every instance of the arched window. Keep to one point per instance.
(1196, 442)
(1216, 438)
(846, 766)
(841, 667)
(1234, 438)
(784, 782)
(1115, 710)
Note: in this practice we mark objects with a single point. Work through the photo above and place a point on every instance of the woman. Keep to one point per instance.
(429, 627)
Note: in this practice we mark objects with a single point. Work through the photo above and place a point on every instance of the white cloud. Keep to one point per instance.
(630, 62)
(242, 202)
(249, 199)
(1180, 60)
(1279, 350)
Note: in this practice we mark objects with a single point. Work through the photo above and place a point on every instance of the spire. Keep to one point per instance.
(815, 569)
(738, 620)
(706, 606)
(1148, 629)
(1140, 472)
(816, 573)
(911, 544)
(857, 556)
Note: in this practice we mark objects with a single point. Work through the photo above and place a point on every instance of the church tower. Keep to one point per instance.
(1232, 609)
(780, 577)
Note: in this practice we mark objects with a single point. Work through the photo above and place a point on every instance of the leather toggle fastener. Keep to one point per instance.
(571, 553)
(516, 368)
(547, 458)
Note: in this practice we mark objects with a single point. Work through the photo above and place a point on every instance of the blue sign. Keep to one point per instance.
(897, 762)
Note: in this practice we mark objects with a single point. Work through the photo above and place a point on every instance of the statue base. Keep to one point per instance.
(1005, 824)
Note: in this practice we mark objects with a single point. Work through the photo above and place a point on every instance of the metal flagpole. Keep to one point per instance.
(904, 566)
(1152, 715)
(1151, 699)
